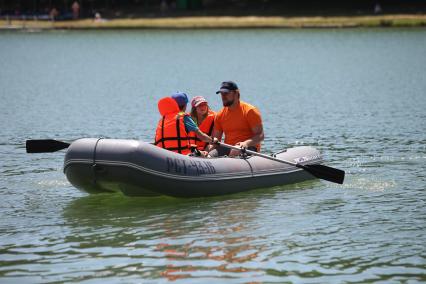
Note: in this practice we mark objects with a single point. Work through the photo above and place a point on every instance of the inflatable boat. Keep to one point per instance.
(138, 168)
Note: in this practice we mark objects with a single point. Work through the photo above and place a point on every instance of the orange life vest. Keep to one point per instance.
(207, 127)
(171, 133)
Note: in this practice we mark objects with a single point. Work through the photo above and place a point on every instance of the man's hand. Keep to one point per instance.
(233, 152)
(242, 145)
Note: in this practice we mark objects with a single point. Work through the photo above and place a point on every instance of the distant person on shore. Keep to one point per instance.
(377, 8)
(173, 128)
(164, 7)
(75, 7)
(239, 121)
(98, 18)
(203, 116)
(53, 14)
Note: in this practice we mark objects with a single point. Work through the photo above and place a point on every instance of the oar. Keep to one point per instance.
(319, 171)
(45, 145)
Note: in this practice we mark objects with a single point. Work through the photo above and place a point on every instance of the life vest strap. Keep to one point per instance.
(179, 148)
(166, 139)
(211, 129)
(176, 148)
(162, 130)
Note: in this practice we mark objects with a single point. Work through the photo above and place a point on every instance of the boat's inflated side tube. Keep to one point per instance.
(139, 168)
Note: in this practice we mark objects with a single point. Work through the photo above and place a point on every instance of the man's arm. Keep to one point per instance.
(257, 137)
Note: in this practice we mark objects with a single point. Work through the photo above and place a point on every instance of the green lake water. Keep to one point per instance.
(359, 96)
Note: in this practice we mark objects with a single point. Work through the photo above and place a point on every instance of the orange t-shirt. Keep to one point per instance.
(237, 124)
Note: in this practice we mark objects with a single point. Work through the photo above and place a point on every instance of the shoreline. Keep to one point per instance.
(222, 22)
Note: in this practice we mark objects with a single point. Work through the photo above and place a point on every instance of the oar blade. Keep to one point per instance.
(45, 146)
(325, 172)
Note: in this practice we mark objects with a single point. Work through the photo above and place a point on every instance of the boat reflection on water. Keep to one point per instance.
(163, 237)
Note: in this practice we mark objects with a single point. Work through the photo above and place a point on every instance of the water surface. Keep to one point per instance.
(357, 95)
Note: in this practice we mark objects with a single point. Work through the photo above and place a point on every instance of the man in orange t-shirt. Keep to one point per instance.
(239, 121)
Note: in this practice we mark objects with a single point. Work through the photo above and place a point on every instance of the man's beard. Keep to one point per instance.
(228, 103)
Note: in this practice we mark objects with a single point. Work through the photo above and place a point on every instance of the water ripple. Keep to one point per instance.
(356, 95)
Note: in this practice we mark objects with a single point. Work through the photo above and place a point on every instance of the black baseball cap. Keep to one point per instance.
(227, 86)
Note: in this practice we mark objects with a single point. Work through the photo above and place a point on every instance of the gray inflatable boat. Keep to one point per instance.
(138, 168)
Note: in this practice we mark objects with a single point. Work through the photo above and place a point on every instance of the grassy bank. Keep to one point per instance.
(225, 22)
